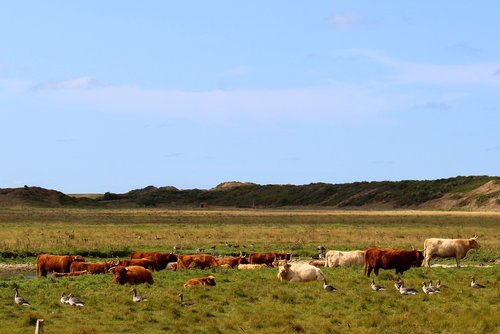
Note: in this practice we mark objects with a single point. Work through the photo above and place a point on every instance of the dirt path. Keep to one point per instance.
(16, 267)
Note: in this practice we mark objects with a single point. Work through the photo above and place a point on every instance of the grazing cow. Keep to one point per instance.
(91, 267)
(208, 281)
(399, 259)
(46, 263)
(131, 275)
(145, 263)
(201, 261)
(317, 263)
(299, 272)
(232, 261)
(344, 259)
(456, 248)
(160, 260)
(268, 258)
(252, 266)
(73, 273)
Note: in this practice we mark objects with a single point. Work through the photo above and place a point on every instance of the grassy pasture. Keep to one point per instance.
(248, 301)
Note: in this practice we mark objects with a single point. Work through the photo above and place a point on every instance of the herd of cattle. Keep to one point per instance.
(138, 269)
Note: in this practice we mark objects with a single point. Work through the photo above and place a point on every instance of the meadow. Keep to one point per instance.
(248, 301)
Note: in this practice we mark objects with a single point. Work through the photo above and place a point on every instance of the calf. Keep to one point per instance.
(208, 281)
(91, 267)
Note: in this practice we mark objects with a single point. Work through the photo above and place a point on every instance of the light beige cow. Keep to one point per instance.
(299, 272)
(344, 259)
(456, 248)
(252, 266)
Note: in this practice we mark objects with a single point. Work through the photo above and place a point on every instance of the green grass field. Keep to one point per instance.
(248, 301)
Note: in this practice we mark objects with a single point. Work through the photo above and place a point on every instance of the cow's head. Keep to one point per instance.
(78, 258)
(243, 260)
(283, 269)
(473, 243)
(211, 280)
(419, 257)
(119, 274)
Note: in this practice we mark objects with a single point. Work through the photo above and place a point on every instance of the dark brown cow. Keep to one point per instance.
(74, 273)
(46, 263)
(232, 261)
(131, 275)
(146, 263)
(201, 261)
(208, 281)
(91, 267)
(268, 258)
(160, 260)
(399, 259)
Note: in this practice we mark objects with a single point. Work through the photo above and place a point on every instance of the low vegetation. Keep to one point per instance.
(247, 301)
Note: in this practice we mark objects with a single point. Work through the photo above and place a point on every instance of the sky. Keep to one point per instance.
(100, 96)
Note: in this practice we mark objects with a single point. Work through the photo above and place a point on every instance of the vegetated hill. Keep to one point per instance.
(458, 193)
(469, 193)
(36, 196)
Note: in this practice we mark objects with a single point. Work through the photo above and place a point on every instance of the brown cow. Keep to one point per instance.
(131, 275)
(46, 263)
(145, 263)
(399, 259)
(201, 261)
(91, 267)
(268, 258)
(74, 273)
(232, 261)
(160, 260)
(208, 281)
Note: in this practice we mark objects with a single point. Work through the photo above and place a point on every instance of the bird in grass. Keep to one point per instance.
(20, 300)
(377, 287)
(328, 287)
(75, 301)
(406, 291)
(136, 297)
(433, 287)
(64, 298)
(184, 302)
(427, 290)
(475, 285)
(398, 284)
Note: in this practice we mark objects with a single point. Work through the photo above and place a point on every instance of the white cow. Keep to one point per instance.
(344, 259)
(456, 248)
(299, 272)
(252, 266)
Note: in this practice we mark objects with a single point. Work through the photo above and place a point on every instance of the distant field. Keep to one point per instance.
(242, 301)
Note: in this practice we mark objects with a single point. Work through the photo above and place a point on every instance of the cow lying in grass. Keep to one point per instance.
(299, 272)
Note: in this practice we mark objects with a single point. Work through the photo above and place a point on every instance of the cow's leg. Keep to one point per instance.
(376, 271)
(458, 261)
(369, 271)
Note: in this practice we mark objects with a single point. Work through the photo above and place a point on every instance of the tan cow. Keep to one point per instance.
(344, 259)
(299, 272)
(456, 248)
(252, 266)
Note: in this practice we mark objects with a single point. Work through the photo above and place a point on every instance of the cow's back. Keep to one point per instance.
(139, 275)
(304, 272)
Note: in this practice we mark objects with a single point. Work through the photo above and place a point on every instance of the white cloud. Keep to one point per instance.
(84, 82)
(344, 20)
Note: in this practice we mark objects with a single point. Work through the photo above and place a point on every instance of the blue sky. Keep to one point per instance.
(102, 96)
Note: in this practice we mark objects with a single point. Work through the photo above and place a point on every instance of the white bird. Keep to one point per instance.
(475, 285)
(328, 287)
(64, 298)
(75, 301)
(377, 287)
(136, 297)
(433, 287)
(426, 289)
(20, 300)
(406, 291)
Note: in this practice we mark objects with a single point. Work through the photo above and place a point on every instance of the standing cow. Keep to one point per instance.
(299, 272)
(399, 259)
(344, 259)
(46, 263)
(160, 260)
(456, 248)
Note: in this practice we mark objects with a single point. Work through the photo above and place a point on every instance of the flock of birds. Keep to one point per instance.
(428, 289)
